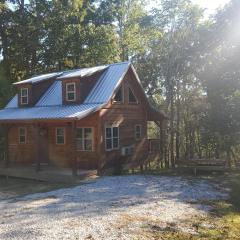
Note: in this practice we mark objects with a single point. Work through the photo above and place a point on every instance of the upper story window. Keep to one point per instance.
(84, 139)
(71, 91)
(118, 98)
(24, 96)
(131, 96)
(60, 136)
(22, 133)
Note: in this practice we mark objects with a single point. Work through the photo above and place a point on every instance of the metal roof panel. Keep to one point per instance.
(13, 102)
(53, 96)
(82, 72)
(108, 83)
(50, 112)
(40, 78)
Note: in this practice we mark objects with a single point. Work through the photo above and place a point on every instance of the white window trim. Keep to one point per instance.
(119, 102)
(74, 91)
(64, 136)
(25, 135)
(138, 125)
(129, 88)
(84, 150)
(113, 148)
(22, 96)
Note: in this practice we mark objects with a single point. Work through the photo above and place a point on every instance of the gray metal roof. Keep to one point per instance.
(50, 104)
(53, 112)
(39, 78)
(53, 96)
(13, 102)
(62, 75)
(82, 72)
(108, 83)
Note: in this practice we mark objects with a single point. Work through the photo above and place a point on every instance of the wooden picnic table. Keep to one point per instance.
(204, 164)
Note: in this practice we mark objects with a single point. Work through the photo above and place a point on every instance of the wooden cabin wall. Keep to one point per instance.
(89, 160)
(21, 153)
(126, 116)
(60, 155)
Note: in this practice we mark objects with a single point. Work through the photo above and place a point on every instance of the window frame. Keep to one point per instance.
(67, 92)
(19, 135)
(24, 96)
(83, 139)
(140, 132)
(129, 102)
(112, 138)
(122, 101)
(64, 136)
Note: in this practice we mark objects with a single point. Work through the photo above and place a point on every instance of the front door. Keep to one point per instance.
(43, 145)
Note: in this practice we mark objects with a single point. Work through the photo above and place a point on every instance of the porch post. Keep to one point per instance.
(37, 151)
(6, 145)
(161, 142)
(74, 149)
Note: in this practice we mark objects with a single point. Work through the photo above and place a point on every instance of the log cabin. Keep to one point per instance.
(85, 118)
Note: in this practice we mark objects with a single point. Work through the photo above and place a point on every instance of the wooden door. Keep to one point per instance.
(43, 145)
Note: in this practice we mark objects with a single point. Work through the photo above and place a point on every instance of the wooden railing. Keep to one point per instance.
(154, 145)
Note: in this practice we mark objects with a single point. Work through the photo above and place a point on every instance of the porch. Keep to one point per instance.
(47, 173)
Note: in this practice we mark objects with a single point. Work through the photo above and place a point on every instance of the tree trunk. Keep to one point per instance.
(178, 124)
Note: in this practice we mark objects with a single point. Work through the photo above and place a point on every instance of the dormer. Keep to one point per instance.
(77, 84)
(24, 95)
(71, 91)
(31, 90)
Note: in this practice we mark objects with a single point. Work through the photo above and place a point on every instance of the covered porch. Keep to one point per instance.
(47, 173)
(156, 144)
(40, 158)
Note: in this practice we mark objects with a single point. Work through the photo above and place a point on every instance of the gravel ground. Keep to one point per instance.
(111, 208)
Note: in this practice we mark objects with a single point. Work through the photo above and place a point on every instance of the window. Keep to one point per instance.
(84, 139)
(138, 132)
(112, 138)
(70, 91)
(22, 135)
(131, 96)
(24, 96)
(60, 135)
(118, 98)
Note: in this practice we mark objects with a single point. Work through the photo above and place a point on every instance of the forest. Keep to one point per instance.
(188, 62)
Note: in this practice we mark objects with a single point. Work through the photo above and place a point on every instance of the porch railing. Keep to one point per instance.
(154, 145)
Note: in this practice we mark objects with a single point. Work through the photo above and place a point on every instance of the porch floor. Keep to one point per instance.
(47, 173)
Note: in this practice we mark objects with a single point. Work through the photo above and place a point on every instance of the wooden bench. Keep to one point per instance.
(204, 164)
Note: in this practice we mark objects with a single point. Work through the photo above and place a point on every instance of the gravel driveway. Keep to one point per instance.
(111, 208)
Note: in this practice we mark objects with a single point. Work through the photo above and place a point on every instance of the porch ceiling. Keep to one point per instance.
(156, 115)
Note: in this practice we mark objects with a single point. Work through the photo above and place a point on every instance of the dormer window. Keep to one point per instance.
(24, 96)
(118, 98)
(70, 92)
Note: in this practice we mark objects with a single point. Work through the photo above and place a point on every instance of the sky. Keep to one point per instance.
(210, 5)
